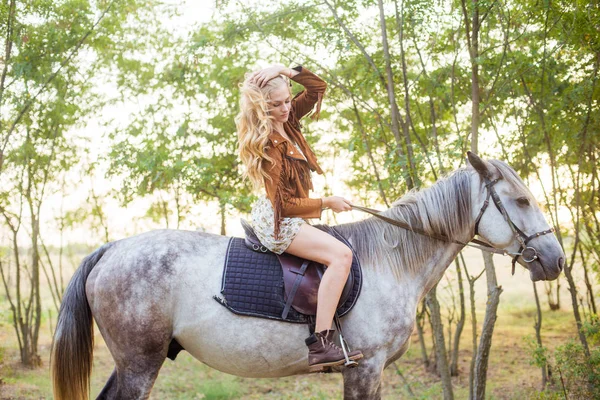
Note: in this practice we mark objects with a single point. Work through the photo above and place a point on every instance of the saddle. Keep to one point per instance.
(301, 277)
(258, 283)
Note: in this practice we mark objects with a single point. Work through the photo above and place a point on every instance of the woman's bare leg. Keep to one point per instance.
(314, 244)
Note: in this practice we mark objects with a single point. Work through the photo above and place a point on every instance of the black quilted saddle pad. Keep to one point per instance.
(252, 284)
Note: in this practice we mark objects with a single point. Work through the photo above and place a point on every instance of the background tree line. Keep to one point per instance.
(412, 86)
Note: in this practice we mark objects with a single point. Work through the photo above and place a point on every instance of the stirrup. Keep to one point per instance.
(344, 345)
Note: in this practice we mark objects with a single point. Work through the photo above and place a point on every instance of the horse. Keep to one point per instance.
(145, 290)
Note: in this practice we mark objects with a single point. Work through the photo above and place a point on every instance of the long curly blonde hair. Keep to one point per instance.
(254, 124)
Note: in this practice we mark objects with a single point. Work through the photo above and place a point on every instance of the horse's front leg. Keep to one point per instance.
(364, 382)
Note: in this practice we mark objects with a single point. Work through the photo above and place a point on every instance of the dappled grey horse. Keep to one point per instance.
(145, 290)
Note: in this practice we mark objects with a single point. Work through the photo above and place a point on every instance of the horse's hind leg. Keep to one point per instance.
(132, 379)
(110, 389)
(133, 311)
(138, 342)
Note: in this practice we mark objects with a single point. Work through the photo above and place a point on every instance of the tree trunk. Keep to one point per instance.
(395, 112)
(538, 334)
(461, 322)
(223, 213)
(485, 343)
(573, 292)
(440, 346)
(588, 283)
(420, 323)
(369, 152)
(33, 310)
(473, 327)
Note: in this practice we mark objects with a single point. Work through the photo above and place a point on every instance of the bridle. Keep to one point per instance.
(528, 253)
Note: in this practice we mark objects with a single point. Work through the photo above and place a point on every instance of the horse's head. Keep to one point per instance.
(508, 217)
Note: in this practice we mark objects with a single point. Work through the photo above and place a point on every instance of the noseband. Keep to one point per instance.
(528, 253)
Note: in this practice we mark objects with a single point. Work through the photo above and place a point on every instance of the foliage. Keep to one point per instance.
(575, 374)
(195, 153)
(52, 52)
(538, 89)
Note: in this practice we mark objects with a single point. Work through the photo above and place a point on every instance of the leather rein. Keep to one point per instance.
(528, 253)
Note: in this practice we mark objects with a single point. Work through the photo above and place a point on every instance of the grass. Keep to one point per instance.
(510, 374)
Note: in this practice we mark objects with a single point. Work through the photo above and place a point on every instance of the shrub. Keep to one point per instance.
(575, 375)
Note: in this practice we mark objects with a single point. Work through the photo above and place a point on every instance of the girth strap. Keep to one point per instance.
(292, 294)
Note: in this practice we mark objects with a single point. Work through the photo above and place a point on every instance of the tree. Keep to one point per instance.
(45, 90)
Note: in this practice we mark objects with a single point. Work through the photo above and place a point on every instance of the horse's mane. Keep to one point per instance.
(444, 208)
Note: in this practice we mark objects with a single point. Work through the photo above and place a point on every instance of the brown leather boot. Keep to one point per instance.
(324, 353)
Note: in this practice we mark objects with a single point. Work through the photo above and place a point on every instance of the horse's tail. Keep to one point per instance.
(73, 343)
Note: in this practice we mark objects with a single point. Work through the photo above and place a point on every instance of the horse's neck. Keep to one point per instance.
(436, 266)
(421, 278)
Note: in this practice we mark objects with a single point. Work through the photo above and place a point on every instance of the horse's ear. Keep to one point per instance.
(480, 166)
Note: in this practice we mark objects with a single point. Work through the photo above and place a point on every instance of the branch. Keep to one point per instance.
(467, 27)
(7, 53)
(369, 153)
(50, 79)
(332, 77)
(12, 307)
(356, 42)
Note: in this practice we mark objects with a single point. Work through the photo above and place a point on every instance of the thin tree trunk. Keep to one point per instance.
(397, 121)
(588, 283)
(473, 45)
(178, 206)
(474, 330)
(52, 283)
(472, 28)
(165, 210)
(223, 214)
(33, 315)
(406, 385)
(98, 212)
(573, 291)
(487, 331)
(440, 346)
(369, 152)
(409, 121)
(420, 323)
(538, 334)
(461, 321)
(7, 54)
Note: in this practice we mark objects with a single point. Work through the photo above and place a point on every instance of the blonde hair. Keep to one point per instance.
(254, 124)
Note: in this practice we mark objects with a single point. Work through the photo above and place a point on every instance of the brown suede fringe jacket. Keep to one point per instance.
(289, 173)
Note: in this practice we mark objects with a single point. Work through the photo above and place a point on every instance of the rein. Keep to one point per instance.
(478, 244)
(528, 253)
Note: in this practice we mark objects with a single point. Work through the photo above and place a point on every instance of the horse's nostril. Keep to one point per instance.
(561, 263)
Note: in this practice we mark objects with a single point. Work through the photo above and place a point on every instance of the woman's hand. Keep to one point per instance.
(337, 204)
(260, 78)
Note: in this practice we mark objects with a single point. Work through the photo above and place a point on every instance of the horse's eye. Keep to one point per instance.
(523, 201)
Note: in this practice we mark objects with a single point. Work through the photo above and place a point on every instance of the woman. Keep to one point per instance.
(278, 158)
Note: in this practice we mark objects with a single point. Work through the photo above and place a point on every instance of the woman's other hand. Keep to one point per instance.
(260, 78)
(337, 204)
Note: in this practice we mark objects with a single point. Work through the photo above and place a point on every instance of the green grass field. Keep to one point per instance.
(510, 374)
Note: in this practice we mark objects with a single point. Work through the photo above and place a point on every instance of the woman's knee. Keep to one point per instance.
(342, 258)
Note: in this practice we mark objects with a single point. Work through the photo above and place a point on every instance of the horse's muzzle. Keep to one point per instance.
(545, 268)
